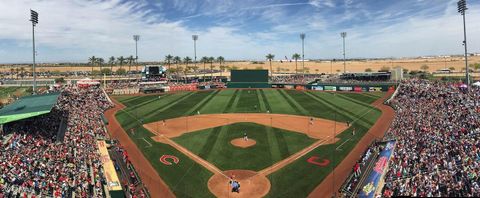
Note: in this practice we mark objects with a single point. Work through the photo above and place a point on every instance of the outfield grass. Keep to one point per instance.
(298, 179)
(272, 145)
(367, 98)
(248, 102)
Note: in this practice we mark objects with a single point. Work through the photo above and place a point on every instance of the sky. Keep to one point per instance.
(73, 30)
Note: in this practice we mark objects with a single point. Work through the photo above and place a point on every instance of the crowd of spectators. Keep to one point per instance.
(33, 162)
(437, 132)
(122, 84)
(296, 78)
(349, 81)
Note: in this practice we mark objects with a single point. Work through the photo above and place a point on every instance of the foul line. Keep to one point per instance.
(342, 144)
(150, 145)
(301, 154)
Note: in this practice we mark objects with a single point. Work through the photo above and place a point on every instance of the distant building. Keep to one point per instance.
(428, 57)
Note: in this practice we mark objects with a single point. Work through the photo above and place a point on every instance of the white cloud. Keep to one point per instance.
(322, 3)
(74, 30)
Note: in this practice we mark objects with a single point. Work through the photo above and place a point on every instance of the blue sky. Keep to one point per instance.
(73, 30)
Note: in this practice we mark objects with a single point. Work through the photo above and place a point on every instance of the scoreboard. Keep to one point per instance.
(249, 76)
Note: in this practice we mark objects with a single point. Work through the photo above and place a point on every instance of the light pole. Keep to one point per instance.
(302, 36)
(195, 38)
(462, 7)
(34, 20)
(343, 35)
(136, 38)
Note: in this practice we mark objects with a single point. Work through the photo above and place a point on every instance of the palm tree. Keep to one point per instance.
(270, 57)
(195, 69)
(186, 60)
(296, 57)
(17, 70)
(211, 60)
(100, 62)
(168, 59)
(185, 71)
(120, 61)
(22, 71)
(111, 61)
(92, 60)
(177, 60)
(130, 61)
(220, 59)
(204, 60)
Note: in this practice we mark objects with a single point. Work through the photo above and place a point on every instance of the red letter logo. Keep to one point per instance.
(164, 158)
(313, 160)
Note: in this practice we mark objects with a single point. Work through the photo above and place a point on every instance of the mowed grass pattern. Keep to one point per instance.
(214, 145)
(248, 102)
(297, 179)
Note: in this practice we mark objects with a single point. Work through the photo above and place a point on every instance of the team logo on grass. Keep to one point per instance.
(164, 160)
(313, 160)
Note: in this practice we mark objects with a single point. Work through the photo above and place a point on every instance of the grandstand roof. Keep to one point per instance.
(29, 106)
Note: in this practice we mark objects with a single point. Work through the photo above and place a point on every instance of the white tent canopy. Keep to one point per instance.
(477, 84)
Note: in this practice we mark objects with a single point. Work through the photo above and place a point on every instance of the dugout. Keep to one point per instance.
(248, 79)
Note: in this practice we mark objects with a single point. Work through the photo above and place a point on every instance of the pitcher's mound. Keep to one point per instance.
(240, 142)
(252, 184)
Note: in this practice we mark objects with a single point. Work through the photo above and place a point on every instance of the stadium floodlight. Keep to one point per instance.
(195, 38)
(136, 38)
(302, 36)
(462, 7)
(34, 20)
(343, 35)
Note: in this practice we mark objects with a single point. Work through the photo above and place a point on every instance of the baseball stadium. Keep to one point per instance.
(402, 123)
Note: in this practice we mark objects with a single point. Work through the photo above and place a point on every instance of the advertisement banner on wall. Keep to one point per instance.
(318, 88)
(299, 87)
(288, 86)
(374, 89)
(330, 88)
(371, 184)
(345, 88)
(357, 89)
(391, 89)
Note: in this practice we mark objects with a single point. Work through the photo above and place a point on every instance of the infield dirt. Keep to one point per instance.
(240, 142)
